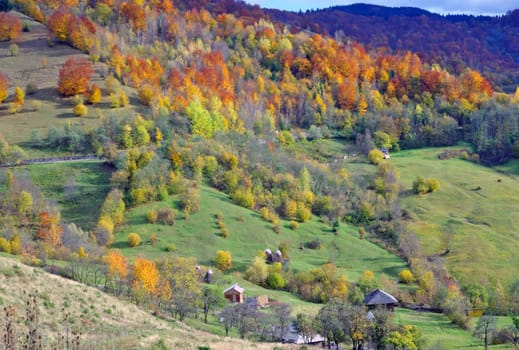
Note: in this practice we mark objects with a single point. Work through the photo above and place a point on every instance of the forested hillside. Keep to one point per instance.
(488, 44)
(196, 108)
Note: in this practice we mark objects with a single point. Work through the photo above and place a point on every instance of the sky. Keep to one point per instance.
(475, 7)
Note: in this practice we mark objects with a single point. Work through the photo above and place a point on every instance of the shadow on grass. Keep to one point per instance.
(66, 116)
(119, 245)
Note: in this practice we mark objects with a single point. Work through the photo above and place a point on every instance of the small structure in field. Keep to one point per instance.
(259, 302)
(234, 293)
(208, 276)
(293, 336)
(385, 152)
(378, 297)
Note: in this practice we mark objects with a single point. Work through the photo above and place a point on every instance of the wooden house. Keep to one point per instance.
(378, 297)
(234, 293)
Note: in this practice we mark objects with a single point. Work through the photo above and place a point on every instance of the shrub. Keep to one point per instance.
(152, 216)
(5, 246)
(375, 156)
(362, 232)
(277, 227)
(225, 232)
(190, 201)
(315, 244)
(265, 213)
(303, 213)
(294, 225)
(134, 240)
(94, 95)
(275, 280)
(146, 95)
(420, 186)
(170, 248)
(14, 50)
(243, 198)
(283, 248)
(223, 260)
(167, 216)
(406, 276)
(433, 184)
(80, 110)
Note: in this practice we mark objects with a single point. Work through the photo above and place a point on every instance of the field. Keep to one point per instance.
(473, 214)
(440, 333)
(39, 63)
(199, 237)
(79, 188)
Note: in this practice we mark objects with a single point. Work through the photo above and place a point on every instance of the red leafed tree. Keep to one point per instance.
(10, 26)
(3, 87)
(134, 14)
(59, 23)
(74, 76)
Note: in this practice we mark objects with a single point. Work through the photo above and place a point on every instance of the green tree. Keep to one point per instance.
(25, 202)
(258, 271)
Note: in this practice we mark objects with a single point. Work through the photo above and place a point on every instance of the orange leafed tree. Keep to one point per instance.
(3, 87)
(10, 26)
(94, 95)
(145, 275)
(134, 14)
(49, 229)
(117, 264)
(59, 23)
(74, 76)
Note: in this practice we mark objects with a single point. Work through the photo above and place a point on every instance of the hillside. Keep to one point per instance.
(105, 322)
(484, 43)
(199, 236)
(472, 216)
(220, 133)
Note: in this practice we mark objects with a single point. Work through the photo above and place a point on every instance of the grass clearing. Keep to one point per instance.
(474, 214)
(440, 333)
(199, 236)
(79, 188)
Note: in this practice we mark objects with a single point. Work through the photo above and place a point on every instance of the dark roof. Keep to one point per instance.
(379, 297)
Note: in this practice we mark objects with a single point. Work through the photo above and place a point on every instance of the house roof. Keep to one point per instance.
(379, 297)
(235, 287)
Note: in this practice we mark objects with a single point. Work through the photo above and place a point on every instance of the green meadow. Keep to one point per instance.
(473, 215)
(78, 188)
(199, 236)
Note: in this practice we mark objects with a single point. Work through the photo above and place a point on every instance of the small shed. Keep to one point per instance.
(259, 302)
(234, 293)
(378, 297)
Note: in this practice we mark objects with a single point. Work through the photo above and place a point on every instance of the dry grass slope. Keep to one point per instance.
(104, 321)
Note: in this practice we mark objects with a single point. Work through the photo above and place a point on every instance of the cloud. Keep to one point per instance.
(488, 7)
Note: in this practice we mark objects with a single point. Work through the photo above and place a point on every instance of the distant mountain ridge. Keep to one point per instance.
(381, 11)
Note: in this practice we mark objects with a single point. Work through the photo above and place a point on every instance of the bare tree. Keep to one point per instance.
(484, 328)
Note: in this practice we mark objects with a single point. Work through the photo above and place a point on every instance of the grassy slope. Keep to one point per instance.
(199, 236)
(104, 321)
(28, 67)
(438, 331)
(479, 226)
(82, 204)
